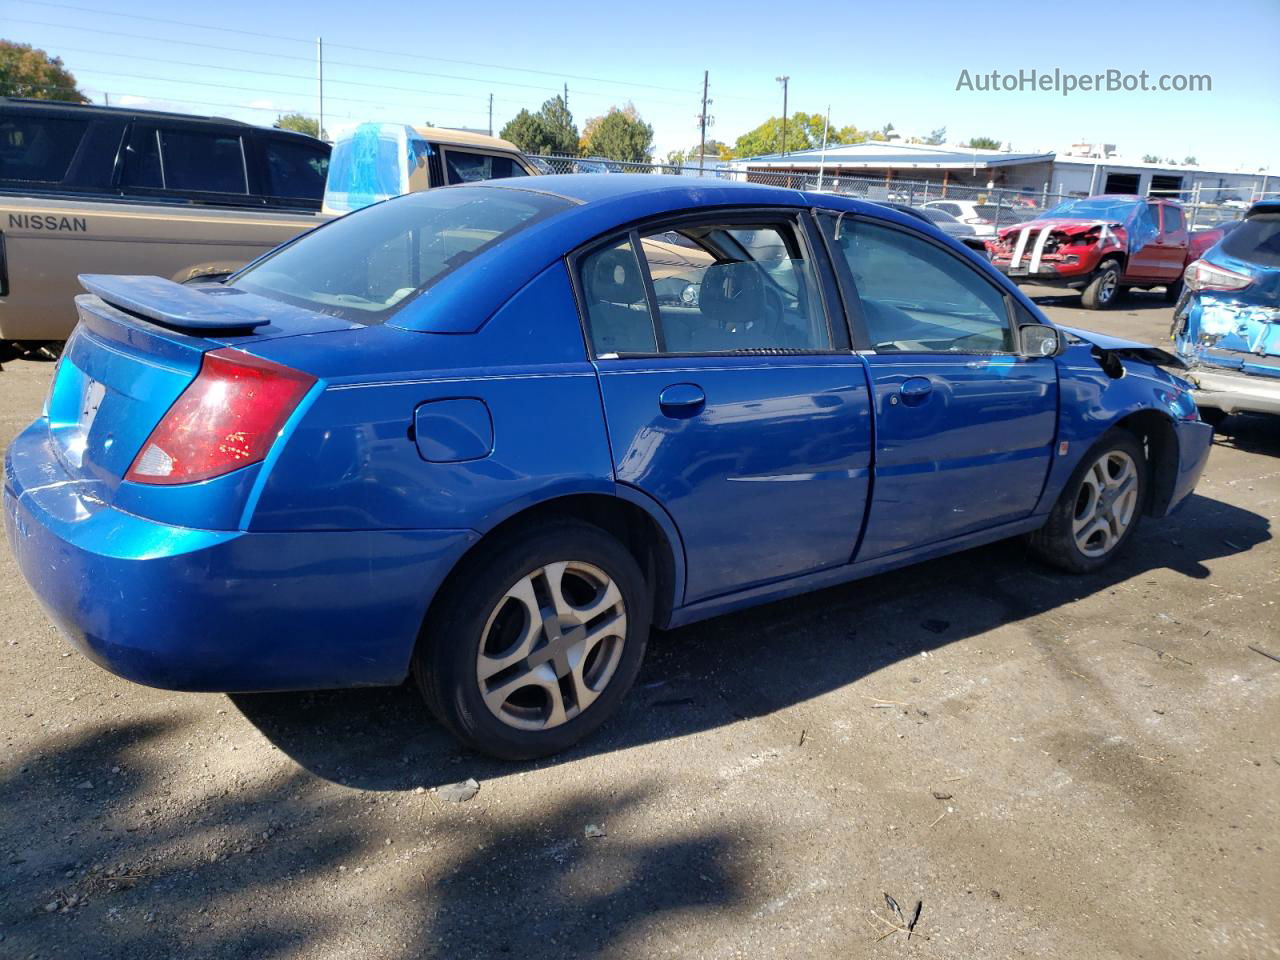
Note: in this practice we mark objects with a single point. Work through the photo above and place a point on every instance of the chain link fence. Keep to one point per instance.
(987, 209)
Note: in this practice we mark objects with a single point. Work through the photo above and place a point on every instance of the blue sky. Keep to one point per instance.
(873, 64)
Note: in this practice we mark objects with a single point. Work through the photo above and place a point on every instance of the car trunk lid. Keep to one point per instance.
(140, 343)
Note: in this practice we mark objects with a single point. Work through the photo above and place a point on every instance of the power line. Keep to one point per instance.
(350, 46)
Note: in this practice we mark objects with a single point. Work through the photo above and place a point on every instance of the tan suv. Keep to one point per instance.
(88, 189)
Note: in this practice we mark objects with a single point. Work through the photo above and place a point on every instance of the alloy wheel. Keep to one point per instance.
(551, 645)
(1106, 503)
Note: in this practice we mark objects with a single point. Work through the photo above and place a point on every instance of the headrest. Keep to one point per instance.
(616, 277)
(732, 293)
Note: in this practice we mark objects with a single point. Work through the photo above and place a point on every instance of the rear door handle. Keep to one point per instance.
(915, 389)
(682, 400)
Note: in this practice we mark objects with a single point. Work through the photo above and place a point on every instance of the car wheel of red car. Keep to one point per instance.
(1099, 509)
(536, 640)
(1173, 291)
(1104, 288)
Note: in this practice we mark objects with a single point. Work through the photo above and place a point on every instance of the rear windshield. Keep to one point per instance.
(1257, 240)
(38, 148)
(362, 266)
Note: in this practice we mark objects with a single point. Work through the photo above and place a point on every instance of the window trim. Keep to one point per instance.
(445, 149)
(795, 217)
(849, 289)
(142, 128)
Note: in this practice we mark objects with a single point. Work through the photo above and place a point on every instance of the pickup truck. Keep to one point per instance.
(1101, 246)
(90, 189)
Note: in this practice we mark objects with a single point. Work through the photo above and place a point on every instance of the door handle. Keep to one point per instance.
(915, 389)
(682, 400)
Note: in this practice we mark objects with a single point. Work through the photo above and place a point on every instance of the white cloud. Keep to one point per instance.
(131, 101)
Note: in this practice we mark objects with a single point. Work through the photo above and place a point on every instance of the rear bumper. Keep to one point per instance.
(187, 609)
(1236, 392)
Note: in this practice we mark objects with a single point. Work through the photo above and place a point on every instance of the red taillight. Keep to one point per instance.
(1203, 275)
(227, 418)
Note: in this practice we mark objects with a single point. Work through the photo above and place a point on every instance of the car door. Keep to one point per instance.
(964, 426)
(730, 396)
(1173, 242)
(1147, 254)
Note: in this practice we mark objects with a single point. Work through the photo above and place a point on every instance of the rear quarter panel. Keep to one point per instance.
(353, 462)
(48, 243)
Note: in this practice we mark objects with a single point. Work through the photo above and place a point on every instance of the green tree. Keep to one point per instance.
(26, 71)
(550, 130)
(1189, 161)
(298, 122)
(1150, 158)
(983, 143)
(936, 137)
(618, 135)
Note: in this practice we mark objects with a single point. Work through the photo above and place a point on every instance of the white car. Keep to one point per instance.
(980, 216)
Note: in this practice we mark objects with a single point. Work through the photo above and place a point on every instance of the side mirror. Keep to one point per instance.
(1040, 340)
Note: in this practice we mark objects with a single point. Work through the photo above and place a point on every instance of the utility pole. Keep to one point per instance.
(566, 96)
(784, 81)
(320, 84)
(702, 119)
(822, 164)
(491, 114)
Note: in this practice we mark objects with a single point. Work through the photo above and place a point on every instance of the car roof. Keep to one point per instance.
(29, 105)
(465, 138)
(598, 207)
(1263, 206)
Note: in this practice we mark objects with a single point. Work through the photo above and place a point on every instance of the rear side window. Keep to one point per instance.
(368, 263)
(1257, 240)
(1172, 219)
(295, 169)
(203, 162)
(38, 149)
(469, 167)
(917, 297)
(718, 288)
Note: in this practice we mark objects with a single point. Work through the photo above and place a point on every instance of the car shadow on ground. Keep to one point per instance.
(751, 663)
(116, 869)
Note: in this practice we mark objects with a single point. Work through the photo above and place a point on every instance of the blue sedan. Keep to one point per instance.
(489, 435)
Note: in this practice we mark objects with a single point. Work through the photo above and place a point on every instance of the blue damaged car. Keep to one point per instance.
(1226, 327)
(489, 435)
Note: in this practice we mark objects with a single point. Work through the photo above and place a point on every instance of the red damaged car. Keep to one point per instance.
(1102, 245)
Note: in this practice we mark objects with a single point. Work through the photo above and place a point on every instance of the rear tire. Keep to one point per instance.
(1104, 288)
(1099, 508)
(1213, 416)
(1173, 291)
(535, 640)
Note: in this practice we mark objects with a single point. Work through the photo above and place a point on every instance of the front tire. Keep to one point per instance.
(1104, 288)
(1099, 509)
(535, 640)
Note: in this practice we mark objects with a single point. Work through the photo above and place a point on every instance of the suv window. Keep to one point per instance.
(462, 167)
(917, 297)
(295, 169)
(203, 162)
(717, 287)
(38, 148)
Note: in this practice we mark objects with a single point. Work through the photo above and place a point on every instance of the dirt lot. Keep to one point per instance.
(1057, 767)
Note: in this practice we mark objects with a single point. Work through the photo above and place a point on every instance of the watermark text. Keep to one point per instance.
(1065, 83)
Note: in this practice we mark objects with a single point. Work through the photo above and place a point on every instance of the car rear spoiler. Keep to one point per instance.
(205, 306)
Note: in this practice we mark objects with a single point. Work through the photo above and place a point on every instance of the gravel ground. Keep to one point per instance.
(1054, 766)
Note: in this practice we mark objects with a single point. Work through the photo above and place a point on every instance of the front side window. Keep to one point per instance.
(917, 297)
(363, 265)
(38, 148)
(469, 167)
